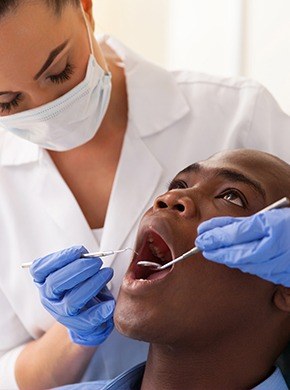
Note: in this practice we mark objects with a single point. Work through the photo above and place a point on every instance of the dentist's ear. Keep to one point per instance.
(281, 298)
(88, 8)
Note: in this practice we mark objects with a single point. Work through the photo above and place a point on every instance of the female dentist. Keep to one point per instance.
(90, 134)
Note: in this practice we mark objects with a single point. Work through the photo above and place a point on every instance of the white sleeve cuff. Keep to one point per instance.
(7, 369)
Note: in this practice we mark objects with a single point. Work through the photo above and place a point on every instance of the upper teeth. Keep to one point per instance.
(155, 251)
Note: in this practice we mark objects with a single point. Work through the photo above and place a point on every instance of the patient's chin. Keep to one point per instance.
(126, 323)
(133, 325)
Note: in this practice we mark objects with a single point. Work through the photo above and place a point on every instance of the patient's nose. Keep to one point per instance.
(176, 200)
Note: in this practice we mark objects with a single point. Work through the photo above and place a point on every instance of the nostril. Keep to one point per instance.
(161, 204)
(179, 207)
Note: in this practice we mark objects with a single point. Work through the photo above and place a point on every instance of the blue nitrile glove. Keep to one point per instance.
(259, 245)
(74, 291)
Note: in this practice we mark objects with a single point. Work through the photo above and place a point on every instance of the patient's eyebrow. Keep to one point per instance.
(235, 176)
(228, 174)
(196, 167)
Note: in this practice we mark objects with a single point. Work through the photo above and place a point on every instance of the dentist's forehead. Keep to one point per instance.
(31, 32)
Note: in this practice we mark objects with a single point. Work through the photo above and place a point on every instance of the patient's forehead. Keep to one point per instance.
(252, 160)
(271, 172)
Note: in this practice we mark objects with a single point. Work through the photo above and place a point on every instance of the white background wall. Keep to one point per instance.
(228, 37)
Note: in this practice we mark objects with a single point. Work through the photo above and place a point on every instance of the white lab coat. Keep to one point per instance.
(174, 119)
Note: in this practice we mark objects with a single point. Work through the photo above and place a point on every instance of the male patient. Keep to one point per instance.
(209, 326)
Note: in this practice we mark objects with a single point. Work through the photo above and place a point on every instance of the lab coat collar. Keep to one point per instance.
(61, 205)
(154, 97)
(17, 151)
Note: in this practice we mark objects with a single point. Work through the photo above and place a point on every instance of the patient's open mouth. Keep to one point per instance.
(155, 249)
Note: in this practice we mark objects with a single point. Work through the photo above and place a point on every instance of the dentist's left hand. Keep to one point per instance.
(258, 244)
(73, 290)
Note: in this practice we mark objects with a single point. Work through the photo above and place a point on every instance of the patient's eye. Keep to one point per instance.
(234, 196)
(177, 184)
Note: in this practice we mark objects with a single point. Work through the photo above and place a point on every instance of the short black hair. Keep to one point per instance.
(57, 5)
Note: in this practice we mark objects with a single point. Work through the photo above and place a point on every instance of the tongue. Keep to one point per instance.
(158, 275)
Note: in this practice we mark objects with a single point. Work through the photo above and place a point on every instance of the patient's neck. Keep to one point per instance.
(240, 363)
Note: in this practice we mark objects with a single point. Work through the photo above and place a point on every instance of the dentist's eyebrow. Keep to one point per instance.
(54, 53)
(239, 177)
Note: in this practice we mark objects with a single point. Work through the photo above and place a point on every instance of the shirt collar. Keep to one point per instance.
(275, 381)
(132, 378)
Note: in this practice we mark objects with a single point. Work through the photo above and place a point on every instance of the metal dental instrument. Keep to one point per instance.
(158, 267)
(284, 202)
(86, 255)
(106, 253)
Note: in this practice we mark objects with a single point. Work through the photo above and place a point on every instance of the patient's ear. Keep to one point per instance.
(281, 298)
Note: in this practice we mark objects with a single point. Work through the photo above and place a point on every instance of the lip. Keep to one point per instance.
(158, 232)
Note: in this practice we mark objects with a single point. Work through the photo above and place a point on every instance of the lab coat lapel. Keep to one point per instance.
(135, 184)
(62, 206)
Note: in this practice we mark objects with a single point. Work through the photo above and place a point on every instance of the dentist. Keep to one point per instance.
(90, 133)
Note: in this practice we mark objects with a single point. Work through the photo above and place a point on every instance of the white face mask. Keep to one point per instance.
(69, 121)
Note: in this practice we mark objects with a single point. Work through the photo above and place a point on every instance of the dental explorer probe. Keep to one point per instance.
(284, 202)
(92, 254)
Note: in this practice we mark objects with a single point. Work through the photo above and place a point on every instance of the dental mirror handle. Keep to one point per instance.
(284, 202)
(185, 255)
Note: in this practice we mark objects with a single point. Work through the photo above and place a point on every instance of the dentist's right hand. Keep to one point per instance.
(73, 290)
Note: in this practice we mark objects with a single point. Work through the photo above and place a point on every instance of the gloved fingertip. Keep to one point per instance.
(203, 227)
(199, 243)
(103, 331)
(32, 270)
(101, 278)
(106, 309)
(205, 241)
(216, 222)
(36, 273)
(107, 273)
(96, 262)
(77, 249)
(215, 256)
(94, 335)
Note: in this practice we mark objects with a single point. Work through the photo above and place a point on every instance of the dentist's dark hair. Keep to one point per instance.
(57, 6)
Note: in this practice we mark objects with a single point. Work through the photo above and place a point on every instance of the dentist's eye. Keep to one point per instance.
(63, 76)
(177, 184)
(235, 197)
(6, 107)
